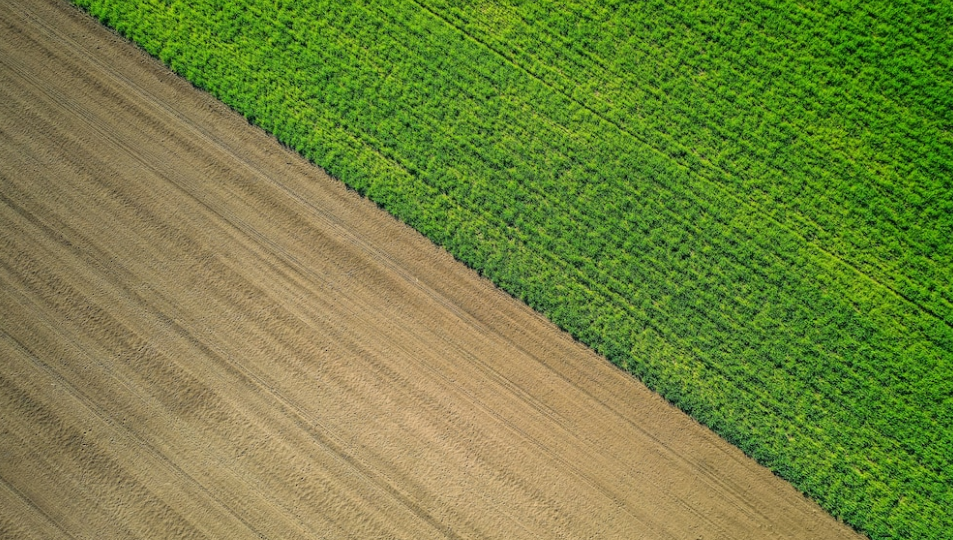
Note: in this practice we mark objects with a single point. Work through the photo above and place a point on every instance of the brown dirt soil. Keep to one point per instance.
(202, 335)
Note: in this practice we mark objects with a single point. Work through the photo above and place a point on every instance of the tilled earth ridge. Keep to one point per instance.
(202, 335)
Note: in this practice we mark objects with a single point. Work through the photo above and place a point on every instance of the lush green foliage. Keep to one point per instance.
(748, 205)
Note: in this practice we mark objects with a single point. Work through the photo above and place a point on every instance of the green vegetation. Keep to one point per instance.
(748, 205)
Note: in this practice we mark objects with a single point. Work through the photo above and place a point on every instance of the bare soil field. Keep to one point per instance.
(204, 336)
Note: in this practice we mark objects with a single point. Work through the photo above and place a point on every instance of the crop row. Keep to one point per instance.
(858, 126)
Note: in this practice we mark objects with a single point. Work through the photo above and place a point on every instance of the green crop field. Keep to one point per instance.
(748, 205)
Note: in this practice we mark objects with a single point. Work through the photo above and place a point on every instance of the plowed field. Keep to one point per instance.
(202, 335)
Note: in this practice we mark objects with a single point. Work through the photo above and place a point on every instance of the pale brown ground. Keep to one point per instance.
(201, 335)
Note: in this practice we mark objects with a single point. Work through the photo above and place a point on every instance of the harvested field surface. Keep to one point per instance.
(202, 335)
